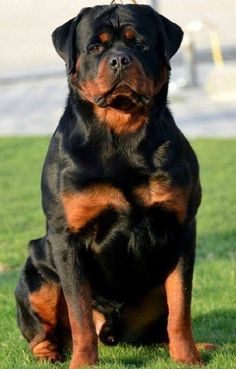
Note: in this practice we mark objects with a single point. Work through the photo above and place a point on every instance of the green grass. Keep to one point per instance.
(214, 295)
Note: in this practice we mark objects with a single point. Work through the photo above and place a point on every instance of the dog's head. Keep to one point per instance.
(117, 57)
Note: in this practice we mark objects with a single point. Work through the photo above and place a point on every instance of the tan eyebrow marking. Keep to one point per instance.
(104, 37)
(129, 34)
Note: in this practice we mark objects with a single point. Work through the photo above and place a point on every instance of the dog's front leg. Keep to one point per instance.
(178, 287)
(77, 294)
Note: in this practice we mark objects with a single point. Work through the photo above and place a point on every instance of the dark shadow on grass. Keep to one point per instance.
(218, 327)
(125, 361)
(135, 356)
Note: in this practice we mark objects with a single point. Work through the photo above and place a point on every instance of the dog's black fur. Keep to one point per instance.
(120, 192)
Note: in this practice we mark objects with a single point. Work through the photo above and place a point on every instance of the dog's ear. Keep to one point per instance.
(63, 39)
(173, 36)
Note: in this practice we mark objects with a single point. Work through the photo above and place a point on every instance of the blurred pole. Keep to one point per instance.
(216, 51)
(154, 4)
(189, 56)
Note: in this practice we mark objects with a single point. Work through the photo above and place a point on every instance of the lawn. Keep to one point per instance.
(214, 294)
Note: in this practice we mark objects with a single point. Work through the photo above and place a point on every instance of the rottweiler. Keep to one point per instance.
(120, 193)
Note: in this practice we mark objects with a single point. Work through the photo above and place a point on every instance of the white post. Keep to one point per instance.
(154, 4)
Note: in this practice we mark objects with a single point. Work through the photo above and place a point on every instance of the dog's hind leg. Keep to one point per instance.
(37, 304)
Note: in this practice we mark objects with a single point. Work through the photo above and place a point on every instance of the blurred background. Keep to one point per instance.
(33, 86)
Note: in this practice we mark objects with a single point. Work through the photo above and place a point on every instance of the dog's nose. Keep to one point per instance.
(119, 62)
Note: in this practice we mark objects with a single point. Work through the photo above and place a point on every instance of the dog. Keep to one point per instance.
(120, 193)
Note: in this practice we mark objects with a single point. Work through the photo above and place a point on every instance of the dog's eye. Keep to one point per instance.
(141, 45)
(137, 44)
(96, 49)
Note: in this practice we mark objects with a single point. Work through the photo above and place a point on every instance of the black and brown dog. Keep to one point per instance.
(120, 192)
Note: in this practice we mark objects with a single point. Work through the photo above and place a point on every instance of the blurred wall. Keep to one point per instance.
(26, 27)
(219, 13)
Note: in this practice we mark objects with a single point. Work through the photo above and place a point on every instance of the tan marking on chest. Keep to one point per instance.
(174, 199)
(82, 207)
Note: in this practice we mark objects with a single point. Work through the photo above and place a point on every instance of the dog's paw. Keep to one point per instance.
(206, 346)
(83, 358)
(46, 351)
(185, 352)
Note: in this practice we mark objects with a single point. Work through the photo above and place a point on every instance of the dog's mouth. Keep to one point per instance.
(123, 103)
(122, 97)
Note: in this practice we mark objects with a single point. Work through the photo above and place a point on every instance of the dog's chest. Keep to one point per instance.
(126, 233)
(84, 207)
